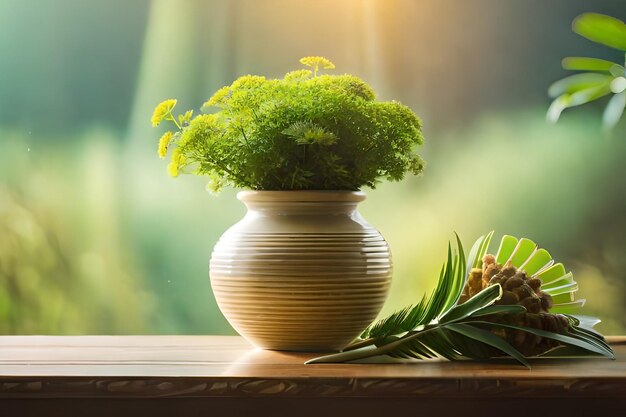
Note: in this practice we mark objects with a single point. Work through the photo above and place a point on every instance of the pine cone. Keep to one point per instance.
(517, 288)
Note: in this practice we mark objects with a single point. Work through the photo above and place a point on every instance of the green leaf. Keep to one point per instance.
(507, 246)
(460, 277)
(484, 245)
(488, 338)
(567, 278)
(562, 289)
(348, 356)
(564, 297)
(449, 288)
(537, 261)
(568, 308)
(578, 82)
(590, 337)
(523, 250)
(587, 322)
(437, 299)
(618, 85)
(577, 63)
(589, 332)
(442, 343)
(556, 108)
(614, 110)
(603, 29)
(567, 340)
(562, 351)
(552, 273)
(473, 253)
(499, 309)
(589, 94)
(389, 325)
(483, 299)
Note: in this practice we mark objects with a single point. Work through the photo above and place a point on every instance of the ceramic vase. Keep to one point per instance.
(302, 271)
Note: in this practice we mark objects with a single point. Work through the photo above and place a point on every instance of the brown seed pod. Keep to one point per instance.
(513, 282)
(508, 298)
(497, 279)
(534, 321)
(519, 289)
(518, 337)
(475, 281)
(523, 291)
(488, 259)
(521, 274)
(509, 270)
(490, 271)
(563, 322)
(550, 322)
(546, 300)
(532, 304)
(534, 283)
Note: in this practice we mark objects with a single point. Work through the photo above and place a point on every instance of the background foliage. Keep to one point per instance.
(96, 238)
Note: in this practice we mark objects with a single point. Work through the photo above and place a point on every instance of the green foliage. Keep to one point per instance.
(304, 132)
(51, 285)
(449, 287)
(603, 77)
(436, 327)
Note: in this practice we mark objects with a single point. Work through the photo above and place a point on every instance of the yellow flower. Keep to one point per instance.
(200, 125)
(162, 110)
(185, 118)
(248, 82)
(178, 159)
(172, 169)
(164, 143)
(316, 62)
(217, 98)
(298, 75)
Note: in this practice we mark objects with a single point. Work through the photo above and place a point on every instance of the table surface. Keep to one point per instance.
(227, 366)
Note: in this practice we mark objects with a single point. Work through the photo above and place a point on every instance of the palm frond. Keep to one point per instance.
(445, 296)
(439, 327)
(486, 337)
(571, 339)
(481, 300)
(482, 244)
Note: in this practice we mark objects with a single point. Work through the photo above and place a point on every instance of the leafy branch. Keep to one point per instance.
(601, 78)
(438, 326)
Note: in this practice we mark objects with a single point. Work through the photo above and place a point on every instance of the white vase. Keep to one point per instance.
(302, 271)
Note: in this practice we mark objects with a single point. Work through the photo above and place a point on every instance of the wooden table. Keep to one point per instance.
(225, 376)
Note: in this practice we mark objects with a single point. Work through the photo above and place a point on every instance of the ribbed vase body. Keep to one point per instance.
(302, 271)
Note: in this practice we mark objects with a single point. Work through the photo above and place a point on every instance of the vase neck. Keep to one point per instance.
(302, 202)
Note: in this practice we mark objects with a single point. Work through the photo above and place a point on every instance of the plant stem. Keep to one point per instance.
(359, 344)
(368, 351)
(173, 119)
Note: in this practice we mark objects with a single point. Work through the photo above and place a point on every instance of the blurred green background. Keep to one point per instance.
(96, 238)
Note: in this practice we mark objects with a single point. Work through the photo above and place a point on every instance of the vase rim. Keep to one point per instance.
(302, 196)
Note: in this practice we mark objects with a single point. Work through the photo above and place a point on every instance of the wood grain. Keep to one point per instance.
(39, 367)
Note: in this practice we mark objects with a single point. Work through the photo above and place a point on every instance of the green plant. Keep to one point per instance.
(601, 78)
(440, 326)
(304, 131)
